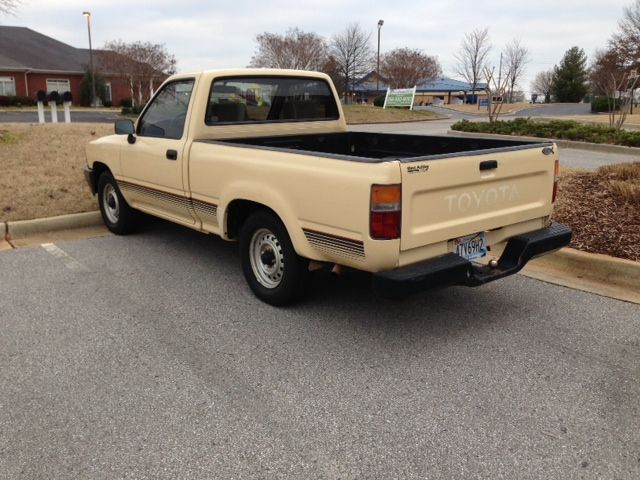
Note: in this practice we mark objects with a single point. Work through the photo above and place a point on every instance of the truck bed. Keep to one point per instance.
(381, 147)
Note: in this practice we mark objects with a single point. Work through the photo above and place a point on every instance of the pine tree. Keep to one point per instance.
(570, 78)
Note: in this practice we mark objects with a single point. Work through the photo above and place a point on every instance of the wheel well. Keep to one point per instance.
(237, 213)
(98, 169)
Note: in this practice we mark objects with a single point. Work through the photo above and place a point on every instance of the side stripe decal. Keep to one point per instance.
(208, 211)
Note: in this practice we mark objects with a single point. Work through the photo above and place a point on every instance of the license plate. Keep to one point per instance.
(471, 246)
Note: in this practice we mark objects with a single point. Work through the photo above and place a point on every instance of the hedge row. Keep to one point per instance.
(16, 101)
(558, 129)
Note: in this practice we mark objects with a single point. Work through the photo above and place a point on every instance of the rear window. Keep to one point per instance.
(269, 99)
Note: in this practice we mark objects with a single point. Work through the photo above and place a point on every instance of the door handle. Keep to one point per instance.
(488, 165)
(172, 154)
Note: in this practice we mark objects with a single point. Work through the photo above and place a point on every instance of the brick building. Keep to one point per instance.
(31, 61)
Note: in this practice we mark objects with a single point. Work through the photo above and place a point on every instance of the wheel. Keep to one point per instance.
(274, 271)
(117, 215)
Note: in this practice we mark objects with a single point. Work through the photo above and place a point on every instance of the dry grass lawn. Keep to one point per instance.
(370, 114)
(41, 169)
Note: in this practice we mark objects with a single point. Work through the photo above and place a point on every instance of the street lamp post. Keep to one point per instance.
(93, 73)
(380, 23)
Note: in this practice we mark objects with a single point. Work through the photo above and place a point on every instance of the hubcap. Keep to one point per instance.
(110, 203)
(267, 260)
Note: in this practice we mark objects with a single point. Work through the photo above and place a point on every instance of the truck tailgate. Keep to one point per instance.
(449, 197)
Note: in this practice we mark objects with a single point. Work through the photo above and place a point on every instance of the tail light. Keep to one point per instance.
(556, 177)
(386, 212)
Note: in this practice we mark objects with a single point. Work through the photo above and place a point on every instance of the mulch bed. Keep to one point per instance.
(602, 222)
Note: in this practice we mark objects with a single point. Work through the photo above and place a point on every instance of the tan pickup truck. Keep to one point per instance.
(265, 157)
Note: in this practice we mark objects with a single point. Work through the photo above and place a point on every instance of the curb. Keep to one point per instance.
(25, 228)
(4, 245)
(481, 113)
(592, 272)
(594, 147)
(439, 117)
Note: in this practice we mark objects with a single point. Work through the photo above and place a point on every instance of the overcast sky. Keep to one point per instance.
(213, 34)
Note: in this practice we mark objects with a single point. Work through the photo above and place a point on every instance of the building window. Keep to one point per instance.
(7, 86)
(57, 85)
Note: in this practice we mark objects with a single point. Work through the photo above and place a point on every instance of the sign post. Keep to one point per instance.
(66, 102)
(53, 99)
(41, 96)
(400, 97)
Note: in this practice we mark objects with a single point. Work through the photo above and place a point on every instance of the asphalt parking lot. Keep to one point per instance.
(147, 357)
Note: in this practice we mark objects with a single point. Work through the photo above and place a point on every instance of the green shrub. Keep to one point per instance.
(16, 101)
(136, 109)
(601, 104)
(86, 88)
(555, 129)
(126, 102)
(379, 100)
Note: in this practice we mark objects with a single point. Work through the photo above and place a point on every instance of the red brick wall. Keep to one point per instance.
(38, 81)
(119, 90)
(18, 78)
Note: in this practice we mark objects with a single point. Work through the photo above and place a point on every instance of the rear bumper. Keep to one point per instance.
(89, 176)
(451, 269)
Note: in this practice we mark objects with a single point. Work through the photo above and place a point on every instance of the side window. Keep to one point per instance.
(165, 116)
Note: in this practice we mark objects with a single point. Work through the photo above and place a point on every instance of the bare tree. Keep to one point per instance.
(516, 59)
(352, 54)
(543, 83)
(142, 64)
(296, 49)
(626, 41)
(9, 6)
(472, 56)
(405, 67)
(496, 90)
(611, 78)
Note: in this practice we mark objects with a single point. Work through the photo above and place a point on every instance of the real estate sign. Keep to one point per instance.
(400, 97)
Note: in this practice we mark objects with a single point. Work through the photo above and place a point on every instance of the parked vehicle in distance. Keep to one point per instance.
(264, 157)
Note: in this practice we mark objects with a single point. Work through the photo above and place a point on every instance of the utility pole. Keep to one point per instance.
(94, 103)
(500, 80)
(380, 23)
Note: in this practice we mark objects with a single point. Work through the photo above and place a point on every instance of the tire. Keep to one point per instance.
(274, 271)
(117, 215)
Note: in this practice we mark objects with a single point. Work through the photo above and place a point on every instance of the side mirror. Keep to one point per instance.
(124, 127)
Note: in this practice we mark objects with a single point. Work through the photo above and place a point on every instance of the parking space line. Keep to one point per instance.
(69, 262)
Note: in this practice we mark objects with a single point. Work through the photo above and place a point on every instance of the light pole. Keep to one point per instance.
(93, 73)
(380, 23)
